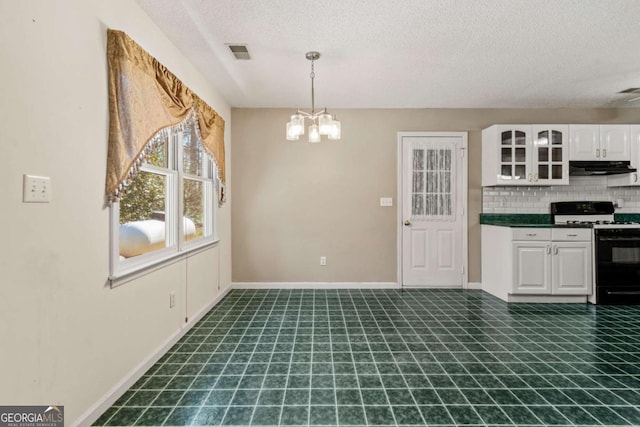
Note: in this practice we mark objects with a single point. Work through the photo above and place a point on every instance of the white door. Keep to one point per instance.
(433, 203)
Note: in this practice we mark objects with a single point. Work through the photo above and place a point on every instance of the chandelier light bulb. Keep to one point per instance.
(325, 122)
(297, 124)
(335, 130)
(291, 134)
(314, 134)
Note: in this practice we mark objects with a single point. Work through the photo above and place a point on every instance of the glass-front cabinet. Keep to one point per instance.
(514, 154)
(525, 155)
(550, 161)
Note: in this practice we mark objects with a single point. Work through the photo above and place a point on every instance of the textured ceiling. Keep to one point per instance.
(412, 53)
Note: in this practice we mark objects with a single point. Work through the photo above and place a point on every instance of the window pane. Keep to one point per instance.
(193, 209)
(506, 138)
(193, 154)
(543, 154)
(417, 204)
(158, 156)
(418, 182)
(418, 160)
(142, 213)
(543, 138)
(543, 171)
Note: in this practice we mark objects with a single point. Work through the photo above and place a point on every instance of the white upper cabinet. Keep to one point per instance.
(614, 142)
(629, 179)
(584, 142)
(550, 162)
(525, 155)
(599, 142)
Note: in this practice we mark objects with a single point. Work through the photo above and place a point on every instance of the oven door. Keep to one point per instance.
(617, 265)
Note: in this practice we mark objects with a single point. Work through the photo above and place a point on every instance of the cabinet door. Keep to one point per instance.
(514, 155)
(634, 138)
(531, 270)
(571, 268)
(584, 142)
(614, 142)
(629, 179)
(550, 160)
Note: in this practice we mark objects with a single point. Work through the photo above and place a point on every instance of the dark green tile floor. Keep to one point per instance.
(387, 357)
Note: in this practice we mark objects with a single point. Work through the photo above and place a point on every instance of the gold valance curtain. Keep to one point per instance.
(144, 99)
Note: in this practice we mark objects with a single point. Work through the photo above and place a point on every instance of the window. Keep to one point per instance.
(170, 207)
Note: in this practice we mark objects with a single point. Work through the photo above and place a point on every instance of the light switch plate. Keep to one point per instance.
(36, 189)
(386, 201)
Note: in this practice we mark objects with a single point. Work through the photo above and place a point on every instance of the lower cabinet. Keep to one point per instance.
(538, 262)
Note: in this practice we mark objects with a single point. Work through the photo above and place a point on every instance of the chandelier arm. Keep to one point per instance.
(304, 114)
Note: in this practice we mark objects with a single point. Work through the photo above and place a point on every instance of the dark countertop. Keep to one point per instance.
(517, 220)
(540, 220)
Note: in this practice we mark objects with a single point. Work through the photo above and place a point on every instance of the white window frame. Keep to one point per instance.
(176, 247)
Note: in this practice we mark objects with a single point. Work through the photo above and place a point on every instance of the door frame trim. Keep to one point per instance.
(465, 199)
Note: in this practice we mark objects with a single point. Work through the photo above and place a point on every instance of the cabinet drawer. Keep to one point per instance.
(531, 234)
(571, 234)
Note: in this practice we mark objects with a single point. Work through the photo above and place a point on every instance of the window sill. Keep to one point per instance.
(116, 280)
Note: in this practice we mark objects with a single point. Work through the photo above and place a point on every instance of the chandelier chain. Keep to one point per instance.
(312, 75)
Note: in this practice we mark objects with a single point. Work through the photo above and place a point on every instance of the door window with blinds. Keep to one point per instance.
(432, 183)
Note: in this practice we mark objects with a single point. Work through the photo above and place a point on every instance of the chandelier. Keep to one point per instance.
(322, 123)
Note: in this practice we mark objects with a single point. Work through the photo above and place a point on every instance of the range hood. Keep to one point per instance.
(599, 167)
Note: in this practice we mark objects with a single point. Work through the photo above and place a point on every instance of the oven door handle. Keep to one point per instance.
(618, 239)
(623, 292)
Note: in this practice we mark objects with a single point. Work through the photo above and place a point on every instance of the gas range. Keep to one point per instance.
(598, 215)
(616, 249)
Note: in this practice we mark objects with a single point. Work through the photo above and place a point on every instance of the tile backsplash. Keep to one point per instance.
(537, 199)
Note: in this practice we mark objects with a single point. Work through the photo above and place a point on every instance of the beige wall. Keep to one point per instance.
(295, 201)
(66, 337)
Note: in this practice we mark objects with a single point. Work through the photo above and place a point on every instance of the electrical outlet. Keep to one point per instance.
(36, 189)
(323, 260)
(172, 299)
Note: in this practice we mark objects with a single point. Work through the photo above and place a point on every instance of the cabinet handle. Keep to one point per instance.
(597, 152)
(531, 234)
(572, 235)
(604, 152)
(548, 249)
(635, 177)
(555, 250)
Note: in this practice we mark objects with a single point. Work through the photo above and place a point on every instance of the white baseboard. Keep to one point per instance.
(94, 412)
(315, 285)
(474, 285)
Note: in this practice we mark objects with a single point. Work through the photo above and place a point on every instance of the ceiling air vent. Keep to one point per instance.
(240, 51)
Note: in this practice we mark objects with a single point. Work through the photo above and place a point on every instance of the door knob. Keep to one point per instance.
(407, 222)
